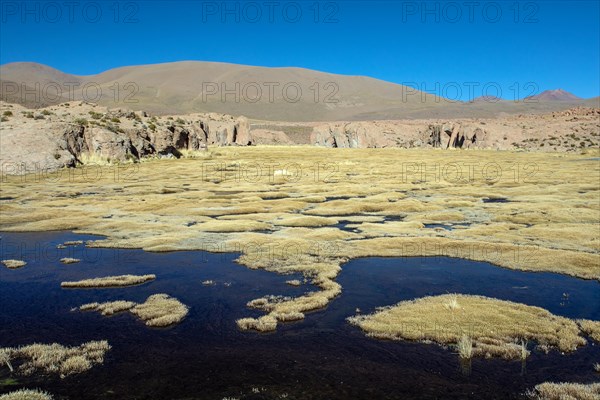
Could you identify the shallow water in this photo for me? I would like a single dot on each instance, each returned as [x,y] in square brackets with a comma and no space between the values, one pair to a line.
[206,357]
[496,200]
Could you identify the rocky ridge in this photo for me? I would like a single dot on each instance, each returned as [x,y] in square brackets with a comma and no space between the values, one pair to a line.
[69,134]
[76,133]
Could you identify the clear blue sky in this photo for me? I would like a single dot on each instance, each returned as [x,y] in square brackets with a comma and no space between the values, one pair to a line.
[554,44]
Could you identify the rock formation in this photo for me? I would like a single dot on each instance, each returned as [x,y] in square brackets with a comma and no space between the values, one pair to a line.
[455,136]
[69,134]
[61,136]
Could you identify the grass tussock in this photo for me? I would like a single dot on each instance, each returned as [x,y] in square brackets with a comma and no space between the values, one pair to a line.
[5,354]
[94,159]
[13,264]
[294,282]
[109,308]
[26,394]
[57,359]
[159,310]
[69,260]
[565,391]
[266,323]
[465,347]
[492,327]
[305,222]
[196,154]
[110,281]
[226,226]
[591,328]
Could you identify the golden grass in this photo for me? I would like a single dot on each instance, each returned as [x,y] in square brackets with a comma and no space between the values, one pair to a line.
[305,221]
[94,159]
[159,310]
[493,326]
[13,264]
[26,394]
[69,260]
[294,282]
[57,359]
[565,391]
[232,226]
[109,308]
[465,347]
[110,281]
[196,154]
[591,328]
[265,323]
[5,354]
[284,224]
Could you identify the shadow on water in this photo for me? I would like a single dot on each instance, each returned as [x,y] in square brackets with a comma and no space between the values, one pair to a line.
[496,200]
[206,357]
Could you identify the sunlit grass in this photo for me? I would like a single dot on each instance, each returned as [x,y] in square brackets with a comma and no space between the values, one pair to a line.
[14,264]
[159,310]
[26,394]
[110,281]
[478,326]
[57,359]
[233,201]
[565,391]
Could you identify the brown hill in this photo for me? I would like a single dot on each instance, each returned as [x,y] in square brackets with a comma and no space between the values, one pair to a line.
[278,94]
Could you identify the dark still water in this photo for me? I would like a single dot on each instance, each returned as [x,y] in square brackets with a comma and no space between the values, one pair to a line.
[322,357]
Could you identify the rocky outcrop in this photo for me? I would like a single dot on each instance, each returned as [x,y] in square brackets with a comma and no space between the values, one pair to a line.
[454,136]
[168,141]
[71,133]
[225,130]
[113,146]
[377,134]
[353,135]
[64,135]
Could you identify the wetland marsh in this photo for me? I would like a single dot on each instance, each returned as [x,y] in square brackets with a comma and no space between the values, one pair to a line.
[353,229]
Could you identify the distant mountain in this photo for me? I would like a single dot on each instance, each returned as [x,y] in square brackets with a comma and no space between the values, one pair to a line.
[555,95]
[278,94]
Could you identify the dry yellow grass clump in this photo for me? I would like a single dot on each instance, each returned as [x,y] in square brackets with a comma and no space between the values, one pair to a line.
[492,327]
[13,264]
[26,394]
[158,310]
[294,282]
[110,307]
[565,391]
[110,281]
[72,242]
[266,323]
[5,354]
[591,328]
[305,221]
[161,310]
[57,359]
[69,260]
